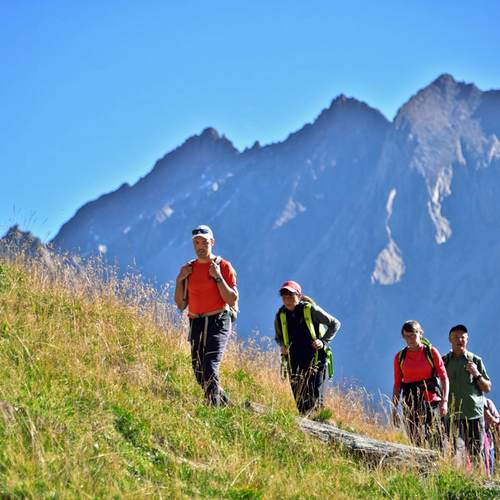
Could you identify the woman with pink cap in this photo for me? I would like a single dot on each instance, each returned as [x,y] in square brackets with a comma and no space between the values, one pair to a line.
[300,326]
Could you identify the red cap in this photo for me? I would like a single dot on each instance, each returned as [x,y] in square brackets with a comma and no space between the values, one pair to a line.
[291,286]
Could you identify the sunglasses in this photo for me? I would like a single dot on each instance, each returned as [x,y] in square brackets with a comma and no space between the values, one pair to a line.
[286,293]
[194,232]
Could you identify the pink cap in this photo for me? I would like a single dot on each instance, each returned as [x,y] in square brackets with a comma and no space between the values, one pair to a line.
[291,286]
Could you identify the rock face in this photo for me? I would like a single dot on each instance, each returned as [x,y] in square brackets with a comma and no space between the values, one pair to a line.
[16,243]
[379,221]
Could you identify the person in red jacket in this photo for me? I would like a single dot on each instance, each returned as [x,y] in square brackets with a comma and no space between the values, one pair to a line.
[418,368]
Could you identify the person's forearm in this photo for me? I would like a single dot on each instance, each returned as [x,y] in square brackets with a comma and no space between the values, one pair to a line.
[179,294]
[445,388]
[395,394]
[483,384]
[395,404]
[333,328]
[333,324]
[228,294]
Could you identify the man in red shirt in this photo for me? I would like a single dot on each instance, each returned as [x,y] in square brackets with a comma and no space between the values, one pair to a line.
[207,287]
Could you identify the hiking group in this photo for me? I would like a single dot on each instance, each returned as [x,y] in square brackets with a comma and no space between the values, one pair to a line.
[207,287]
[443,397]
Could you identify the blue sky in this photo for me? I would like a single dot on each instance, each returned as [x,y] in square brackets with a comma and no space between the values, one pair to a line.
[93,93]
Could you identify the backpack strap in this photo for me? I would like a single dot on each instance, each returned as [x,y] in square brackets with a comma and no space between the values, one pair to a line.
[312,331]
[185,297]
[233,310]
[284,328]
[321,332]
[217,260]
[401,357]
[427,351]
[446,358]
[431,384]
[309,321]
[469,356]
[285,359]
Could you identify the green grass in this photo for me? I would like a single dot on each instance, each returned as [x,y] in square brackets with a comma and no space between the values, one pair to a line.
[101,403]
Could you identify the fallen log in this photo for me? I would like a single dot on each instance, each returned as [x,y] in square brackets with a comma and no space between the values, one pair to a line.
[371,451]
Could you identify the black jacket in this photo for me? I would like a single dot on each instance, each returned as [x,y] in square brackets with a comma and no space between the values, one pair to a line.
[299,337]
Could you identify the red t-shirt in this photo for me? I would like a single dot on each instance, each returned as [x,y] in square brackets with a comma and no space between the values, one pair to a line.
[203,292]
[416,367]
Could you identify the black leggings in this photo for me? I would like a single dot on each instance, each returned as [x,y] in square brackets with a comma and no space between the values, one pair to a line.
[308,387]
[422,422]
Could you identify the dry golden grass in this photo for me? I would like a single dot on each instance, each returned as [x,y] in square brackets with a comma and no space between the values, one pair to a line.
[100,401]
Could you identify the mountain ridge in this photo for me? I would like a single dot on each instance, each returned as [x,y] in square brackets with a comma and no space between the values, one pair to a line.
[380,221]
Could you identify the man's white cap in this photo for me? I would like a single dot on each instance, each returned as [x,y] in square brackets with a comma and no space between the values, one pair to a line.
[203,231]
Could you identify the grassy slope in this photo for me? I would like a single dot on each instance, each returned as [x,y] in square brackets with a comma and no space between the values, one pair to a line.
[107,406]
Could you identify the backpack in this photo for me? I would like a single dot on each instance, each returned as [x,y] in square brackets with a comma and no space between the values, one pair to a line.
[468,355]
[321,327]
[312,331]
[233,310]
[427,351]
[433,383]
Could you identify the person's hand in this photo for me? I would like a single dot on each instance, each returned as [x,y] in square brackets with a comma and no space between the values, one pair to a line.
[443,408]
[185,271]
[471,367]
[489,418]
[317,345]
[214,270]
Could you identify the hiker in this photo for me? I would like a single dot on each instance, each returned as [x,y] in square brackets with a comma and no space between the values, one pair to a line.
[468,383]
[207,286]
[299,327]
[420,375]
[491,433]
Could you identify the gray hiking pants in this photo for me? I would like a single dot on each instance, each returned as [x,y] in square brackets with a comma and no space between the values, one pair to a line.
[209,336]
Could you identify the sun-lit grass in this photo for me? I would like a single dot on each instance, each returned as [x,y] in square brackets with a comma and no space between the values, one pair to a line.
[98,400]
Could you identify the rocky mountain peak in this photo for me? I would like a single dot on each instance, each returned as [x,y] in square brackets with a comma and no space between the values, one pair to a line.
[209,138]
[342,103]
[14,233]
[18,242]
[401,219]
[444,81]
[345,112]
[210,133]
[439,130]
[443,97]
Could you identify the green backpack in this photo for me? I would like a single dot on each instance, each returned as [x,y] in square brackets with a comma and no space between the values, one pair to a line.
[433,383]
[310,326]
